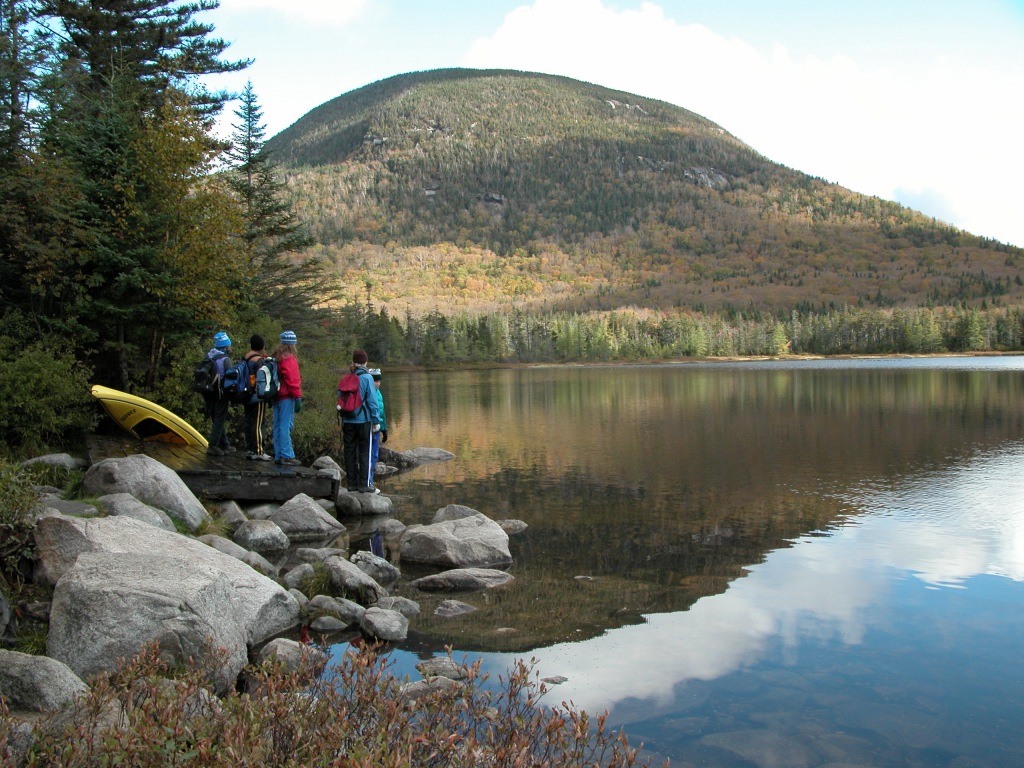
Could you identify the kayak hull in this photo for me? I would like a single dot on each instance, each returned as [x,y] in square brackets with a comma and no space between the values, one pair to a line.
[145,419]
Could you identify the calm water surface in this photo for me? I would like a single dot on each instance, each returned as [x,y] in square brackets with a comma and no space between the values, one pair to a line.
[785,564]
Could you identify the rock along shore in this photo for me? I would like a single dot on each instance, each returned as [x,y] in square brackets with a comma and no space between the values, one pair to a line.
[239,585]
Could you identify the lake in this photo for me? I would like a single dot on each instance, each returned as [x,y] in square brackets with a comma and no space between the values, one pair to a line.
[806,563]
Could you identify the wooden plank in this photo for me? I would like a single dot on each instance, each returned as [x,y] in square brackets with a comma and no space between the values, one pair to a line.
[221,477]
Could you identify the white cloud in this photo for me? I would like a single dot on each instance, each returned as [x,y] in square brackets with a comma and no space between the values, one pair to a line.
[934,132]
[332,12]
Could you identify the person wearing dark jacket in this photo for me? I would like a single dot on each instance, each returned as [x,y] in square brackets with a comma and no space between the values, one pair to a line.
[255,409]
[216,403]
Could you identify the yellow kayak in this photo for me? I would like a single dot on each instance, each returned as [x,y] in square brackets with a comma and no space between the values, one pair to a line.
[146,419]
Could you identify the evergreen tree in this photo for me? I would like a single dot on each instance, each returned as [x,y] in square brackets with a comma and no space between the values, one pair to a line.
[131,129]
[280,281]
[26,203]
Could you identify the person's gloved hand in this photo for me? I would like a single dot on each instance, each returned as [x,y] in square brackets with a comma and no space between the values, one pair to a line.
[383,436]
[298,404]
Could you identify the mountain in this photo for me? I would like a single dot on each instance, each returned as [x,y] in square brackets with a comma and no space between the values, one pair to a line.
[481,189]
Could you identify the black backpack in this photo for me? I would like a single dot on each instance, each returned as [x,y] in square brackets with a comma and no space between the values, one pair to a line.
[205,379]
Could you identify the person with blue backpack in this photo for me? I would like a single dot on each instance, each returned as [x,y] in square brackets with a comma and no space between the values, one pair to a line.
[360,417]
[255,408]
[216,403]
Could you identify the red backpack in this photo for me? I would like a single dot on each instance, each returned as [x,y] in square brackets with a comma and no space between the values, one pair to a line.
[350,399]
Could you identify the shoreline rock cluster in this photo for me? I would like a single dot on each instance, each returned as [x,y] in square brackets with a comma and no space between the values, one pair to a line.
[123,577]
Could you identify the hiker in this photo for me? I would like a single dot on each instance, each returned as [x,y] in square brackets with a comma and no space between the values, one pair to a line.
[255,408]
[357,426]
[216,404]
[379,437]
[288,401]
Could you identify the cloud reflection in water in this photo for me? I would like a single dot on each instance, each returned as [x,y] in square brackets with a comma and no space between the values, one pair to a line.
[941,527]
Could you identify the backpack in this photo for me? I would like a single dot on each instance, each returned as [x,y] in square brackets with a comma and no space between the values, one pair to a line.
[267,381]
[235,383]
[205,379]
[350,399]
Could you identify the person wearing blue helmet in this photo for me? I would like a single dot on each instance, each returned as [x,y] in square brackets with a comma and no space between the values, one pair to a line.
[216,403]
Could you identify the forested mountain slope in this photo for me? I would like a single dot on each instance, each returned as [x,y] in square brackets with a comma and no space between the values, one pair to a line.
[473,189]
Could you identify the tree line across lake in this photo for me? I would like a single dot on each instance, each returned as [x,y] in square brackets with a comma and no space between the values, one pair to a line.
[439,339]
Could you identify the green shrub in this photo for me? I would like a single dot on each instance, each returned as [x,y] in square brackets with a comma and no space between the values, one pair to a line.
[318,582]
[44,395]
[17,500]
[355,716]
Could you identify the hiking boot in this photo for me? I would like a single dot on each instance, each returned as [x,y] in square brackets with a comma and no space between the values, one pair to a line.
[214,451]
[289,462]
[229,449]
[369,489]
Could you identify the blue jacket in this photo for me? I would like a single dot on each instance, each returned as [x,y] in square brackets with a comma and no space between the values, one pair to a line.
[370,412]
[220,359]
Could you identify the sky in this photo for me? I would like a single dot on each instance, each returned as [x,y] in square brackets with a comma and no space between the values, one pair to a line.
[917,101]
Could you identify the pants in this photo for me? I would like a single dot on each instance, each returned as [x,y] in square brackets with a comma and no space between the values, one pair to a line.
[374,454]
[255,419]
[217,407]
[284,418]
[356,440]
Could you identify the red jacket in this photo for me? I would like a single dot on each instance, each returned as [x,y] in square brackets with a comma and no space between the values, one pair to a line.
[291,381]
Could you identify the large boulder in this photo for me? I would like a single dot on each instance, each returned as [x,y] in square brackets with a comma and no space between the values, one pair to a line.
[346,577]
[37,683]
[148,481]
[229,514]
[462,580]
[303,519]
[64,461]
[227,546]
[293,655]
[377,568]
[472,541]
[408,608]
[383,624]
[263,536]
[453,512]
[109,606]
[339,607]
[266,608]
[295,577]
[415,457]
[126,504]
[354,504]
[69,507]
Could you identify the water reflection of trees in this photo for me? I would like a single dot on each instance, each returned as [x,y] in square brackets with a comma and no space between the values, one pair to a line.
[662,484]
[606,559]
